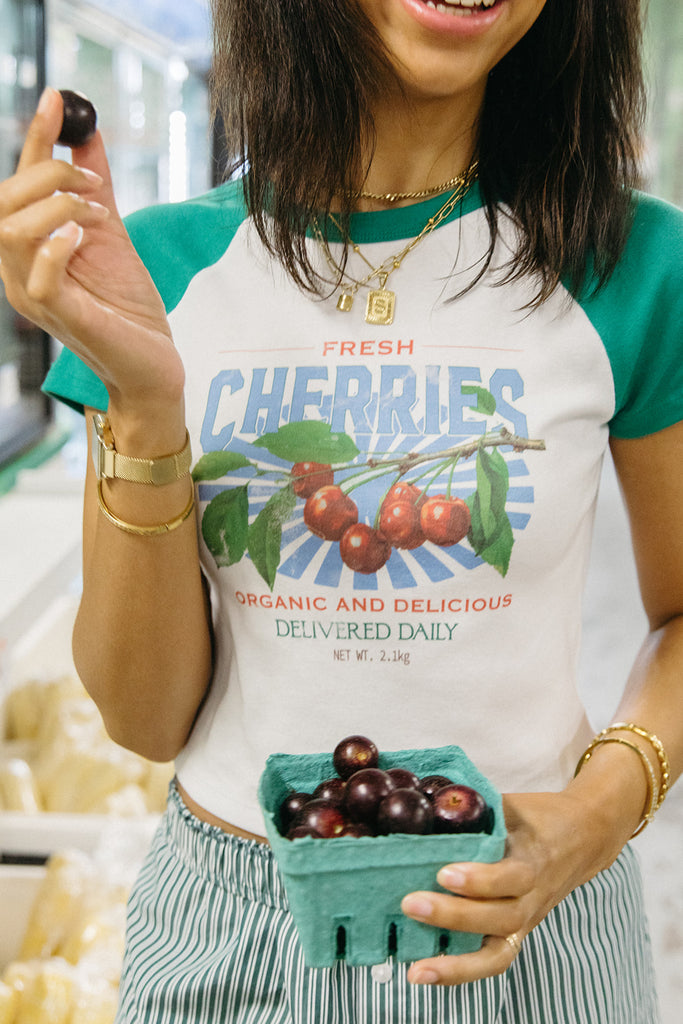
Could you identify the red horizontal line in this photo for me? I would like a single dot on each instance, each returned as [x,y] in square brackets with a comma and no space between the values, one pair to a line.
[487,348]
[228,351]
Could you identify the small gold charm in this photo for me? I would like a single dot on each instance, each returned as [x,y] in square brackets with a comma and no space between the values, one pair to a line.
[380,307]
[345,302]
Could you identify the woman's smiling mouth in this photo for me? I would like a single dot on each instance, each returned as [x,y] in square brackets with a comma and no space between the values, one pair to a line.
[462,7]
[462,17]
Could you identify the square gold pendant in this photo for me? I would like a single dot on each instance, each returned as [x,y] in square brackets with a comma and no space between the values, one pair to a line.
[345,302]
[380,307]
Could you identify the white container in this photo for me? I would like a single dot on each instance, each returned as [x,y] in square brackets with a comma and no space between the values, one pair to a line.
[18,889]
[40,835]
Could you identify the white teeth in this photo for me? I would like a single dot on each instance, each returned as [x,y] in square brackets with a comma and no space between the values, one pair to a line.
[458,7]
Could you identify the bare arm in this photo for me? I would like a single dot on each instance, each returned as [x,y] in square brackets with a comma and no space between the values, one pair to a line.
[560,840]
[142,643]
[142,640]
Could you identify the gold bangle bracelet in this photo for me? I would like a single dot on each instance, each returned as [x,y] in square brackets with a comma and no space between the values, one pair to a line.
[652,789]
[144,531]
[658,748]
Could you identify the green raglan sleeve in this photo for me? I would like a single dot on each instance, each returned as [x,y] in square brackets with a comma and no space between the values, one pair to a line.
[639,317]
[174,241]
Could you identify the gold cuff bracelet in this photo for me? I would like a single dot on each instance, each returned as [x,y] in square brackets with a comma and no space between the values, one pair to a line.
[144,531]
[658,748]
[652,787]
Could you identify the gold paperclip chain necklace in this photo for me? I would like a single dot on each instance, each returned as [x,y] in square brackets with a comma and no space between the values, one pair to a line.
[381,301]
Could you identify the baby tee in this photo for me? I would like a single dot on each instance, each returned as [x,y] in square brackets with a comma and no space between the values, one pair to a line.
[469,431]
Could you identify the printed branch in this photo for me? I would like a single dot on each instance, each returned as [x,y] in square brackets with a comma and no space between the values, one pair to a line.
[463,451]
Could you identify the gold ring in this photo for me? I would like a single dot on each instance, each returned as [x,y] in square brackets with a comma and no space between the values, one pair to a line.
[514,942]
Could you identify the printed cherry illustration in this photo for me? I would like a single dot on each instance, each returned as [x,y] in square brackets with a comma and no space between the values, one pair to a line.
[309,477]
[445,521]
[363,548]
[405,492]
[399,522]
[329,512]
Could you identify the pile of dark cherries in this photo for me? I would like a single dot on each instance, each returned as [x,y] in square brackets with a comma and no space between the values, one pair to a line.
[364,800]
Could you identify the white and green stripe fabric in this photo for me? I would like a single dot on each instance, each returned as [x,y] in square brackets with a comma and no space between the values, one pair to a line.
[211,941]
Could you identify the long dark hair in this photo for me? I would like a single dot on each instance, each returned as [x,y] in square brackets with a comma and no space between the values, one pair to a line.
[559,136]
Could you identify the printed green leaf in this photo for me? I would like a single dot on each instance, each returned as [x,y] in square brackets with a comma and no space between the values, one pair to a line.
[476,535]
[225,524]
[486,403]
[265,533]
[214,465]
[492,485]
[309,441]
[490,531]
[499,548]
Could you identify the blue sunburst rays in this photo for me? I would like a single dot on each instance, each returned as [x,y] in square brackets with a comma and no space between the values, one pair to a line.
[306,556]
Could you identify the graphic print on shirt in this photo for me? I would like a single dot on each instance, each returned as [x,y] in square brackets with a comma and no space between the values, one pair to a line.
[306,499]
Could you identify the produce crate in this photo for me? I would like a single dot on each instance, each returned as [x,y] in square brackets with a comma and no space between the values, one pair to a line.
[345,893]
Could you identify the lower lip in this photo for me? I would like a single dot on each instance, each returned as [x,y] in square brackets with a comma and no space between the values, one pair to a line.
[458,24]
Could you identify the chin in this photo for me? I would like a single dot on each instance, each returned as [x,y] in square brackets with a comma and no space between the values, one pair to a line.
[437,54]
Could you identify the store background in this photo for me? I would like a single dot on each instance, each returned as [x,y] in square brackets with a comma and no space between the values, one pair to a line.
[145,63]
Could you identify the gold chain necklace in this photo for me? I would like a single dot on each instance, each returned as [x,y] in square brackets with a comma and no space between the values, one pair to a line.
[425,193]
[381,302]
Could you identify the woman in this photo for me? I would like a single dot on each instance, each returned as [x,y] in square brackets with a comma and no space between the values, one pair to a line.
[445,285]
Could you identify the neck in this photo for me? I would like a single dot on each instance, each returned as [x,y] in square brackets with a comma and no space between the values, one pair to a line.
[419,144]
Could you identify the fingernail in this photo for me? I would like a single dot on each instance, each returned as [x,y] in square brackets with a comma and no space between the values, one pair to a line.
[91,176]
[451,878]
[424,977]
[418,907]
[71,231]
[45,100]
[98,208]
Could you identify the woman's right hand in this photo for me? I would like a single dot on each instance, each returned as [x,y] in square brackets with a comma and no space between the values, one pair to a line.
[68,265]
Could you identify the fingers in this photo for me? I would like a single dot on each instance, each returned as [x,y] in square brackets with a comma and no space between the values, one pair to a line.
[493,898]
[43,131]
[42,136]
[42,197]
[508,877]
[92,157]
[41,218]
[21,233]
[496,955]
[51,260]
[42,180]
[496,900]
[498,917]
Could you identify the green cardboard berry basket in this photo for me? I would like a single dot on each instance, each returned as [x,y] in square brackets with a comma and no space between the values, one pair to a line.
[345,893]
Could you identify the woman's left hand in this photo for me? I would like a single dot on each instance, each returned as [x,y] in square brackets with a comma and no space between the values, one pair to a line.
[557,841]
[554,844]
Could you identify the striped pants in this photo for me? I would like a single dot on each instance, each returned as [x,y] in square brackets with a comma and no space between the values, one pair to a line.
[210,941]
